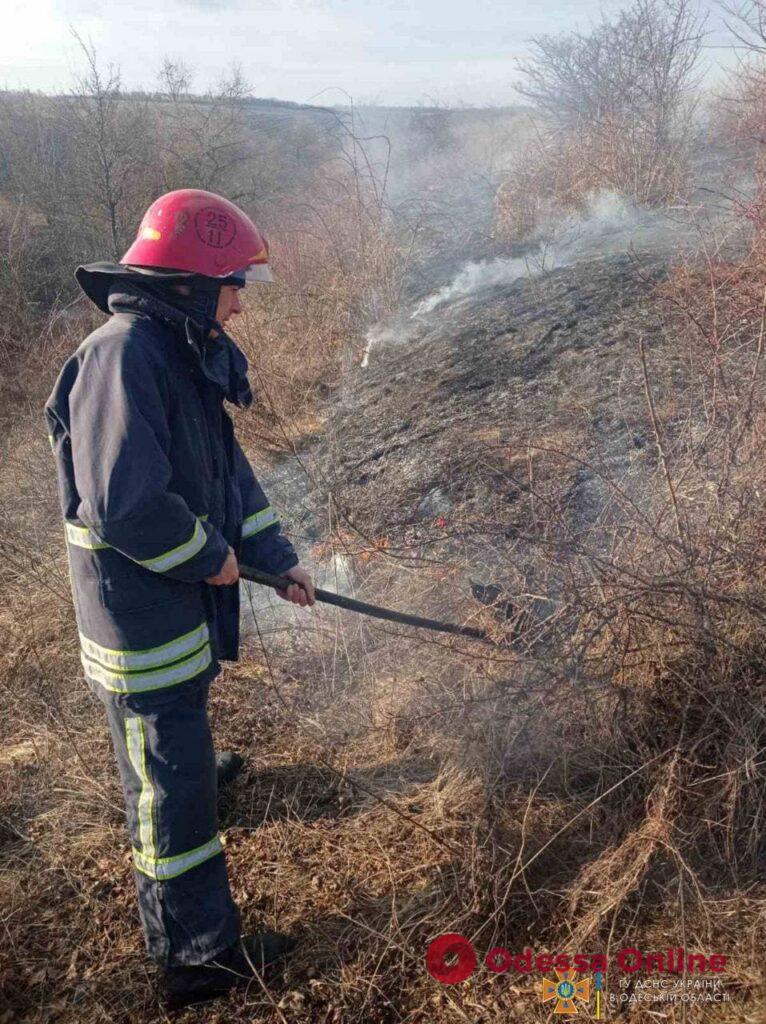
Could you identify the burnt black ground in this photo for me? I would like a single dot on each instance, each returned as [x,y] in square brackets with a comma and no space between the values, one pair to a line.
[448,423]
[487,434]
[506,365]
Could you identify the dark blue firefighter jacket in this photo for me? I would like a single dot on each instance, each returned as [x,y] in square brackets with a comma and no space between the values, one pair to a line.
[154,487]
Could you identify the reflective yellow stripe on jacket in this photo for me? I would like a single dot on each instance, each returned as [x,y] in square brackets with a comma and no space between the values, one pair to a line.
[131,671]
[259,521]
[83,537]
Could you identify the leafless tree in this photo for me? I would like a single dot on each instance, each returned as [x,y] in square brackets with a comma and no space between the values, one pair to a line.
[625,90]
[176,78]
[110,145]
[205,143]
[639,66]
[746,20]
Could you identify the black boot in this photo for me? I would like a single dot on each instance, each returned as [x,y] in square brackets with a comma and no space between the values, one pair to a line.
[228,765]
[185,985]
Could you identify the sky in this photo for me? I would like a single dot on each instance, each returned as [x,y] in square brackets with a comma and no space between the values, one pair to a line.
[456,52]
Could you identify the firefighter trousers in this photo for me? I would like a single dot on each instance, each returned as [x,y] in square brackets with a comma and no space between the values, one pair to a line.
[166,760]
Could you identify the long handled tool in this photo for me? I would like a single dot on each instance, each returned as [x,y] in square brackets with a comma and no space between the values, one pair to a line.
[352,605]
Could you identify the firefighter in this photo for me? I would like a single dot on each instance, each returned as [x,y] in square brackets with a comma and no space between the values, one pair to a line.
[159,504]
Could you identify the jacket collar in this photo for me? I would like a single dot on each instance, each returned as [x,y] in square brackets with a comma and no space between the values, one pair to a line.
[220,360]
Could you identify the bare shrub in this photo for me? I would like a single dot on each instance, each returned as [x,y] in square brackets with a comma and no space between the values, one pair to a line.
[204,139]
[742,120]
[666,658]
[616,107]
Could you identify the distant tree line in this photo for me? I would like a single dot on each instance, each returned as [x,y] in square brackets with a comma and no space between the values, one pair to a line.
[77,170]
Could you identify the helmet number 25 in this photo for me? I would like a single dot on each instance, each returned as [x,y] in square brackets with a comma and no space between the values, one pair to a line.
[215,228]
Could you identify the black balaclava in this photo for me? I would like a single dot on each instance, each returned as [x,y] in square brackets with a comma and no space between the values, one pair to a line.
[96,280]
[114,287]
[202,302]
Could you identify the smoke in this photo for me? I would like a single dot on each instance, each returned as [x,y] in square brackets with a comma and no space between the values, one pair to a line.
[381,334]
[484,274]
[611,224]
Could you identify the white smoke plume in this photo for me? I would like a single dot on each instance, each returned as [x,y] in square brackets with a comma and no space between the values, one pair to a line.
[611,224]
[381,334]
[484,274]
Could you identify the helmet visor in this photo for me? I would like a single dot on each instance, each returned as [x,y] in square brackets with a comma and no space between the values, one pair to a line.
[258,272]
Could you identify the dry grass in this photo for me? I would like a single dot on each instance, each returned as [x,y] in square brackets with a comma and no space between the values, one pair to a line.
[557,174]
[610,791]
[339,267]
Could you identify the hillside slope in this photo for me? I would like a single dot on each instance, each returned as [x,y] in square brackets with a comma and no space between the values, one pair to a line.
[501,460]
[505,419]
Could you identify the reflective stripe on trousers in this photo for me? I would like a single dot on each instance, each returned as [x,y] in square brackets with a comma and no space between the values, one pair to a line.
[166,761]
[135,741]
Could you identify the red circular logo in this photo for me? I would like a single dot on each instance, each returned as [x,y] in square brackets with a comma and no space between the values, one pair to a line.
[449,946]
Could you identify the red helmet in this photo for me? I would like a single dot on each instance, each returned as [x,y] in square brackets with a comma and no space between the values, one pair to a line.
[201,233]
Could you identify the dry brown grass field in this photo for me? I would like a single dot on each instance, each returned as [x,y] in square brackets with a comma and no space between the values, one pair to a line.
[605,791]
[591,441]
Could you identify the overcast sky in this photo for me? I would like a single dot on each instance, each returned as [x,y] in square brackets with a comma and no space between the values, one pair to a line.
[384,51]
